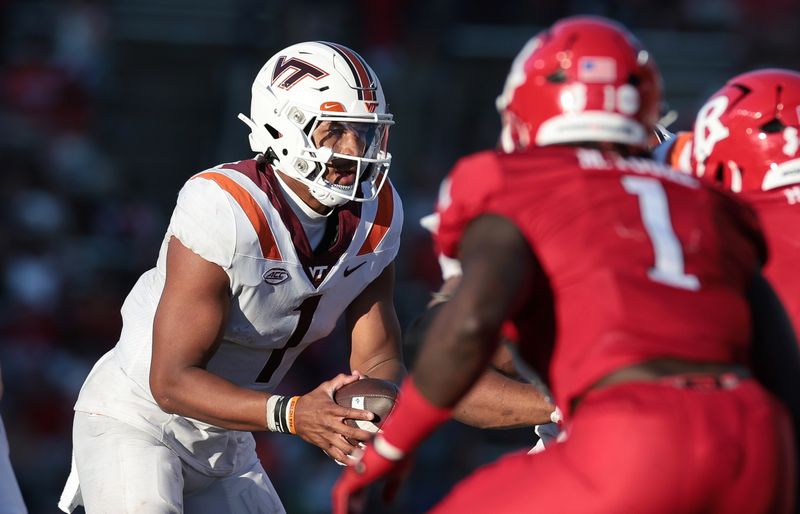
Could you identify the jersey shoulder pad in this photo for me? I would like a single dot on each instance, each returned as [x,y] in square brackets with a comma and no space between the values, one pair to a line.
[464,194]
[204,222]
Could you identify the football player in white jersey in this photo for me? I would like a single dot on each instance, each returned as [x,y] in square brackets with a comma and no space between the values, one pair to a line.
[10,496]
[260,259]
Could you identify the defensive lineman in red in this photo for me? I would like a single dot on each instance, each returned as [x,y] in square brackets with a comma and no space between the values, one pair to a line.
[747,139]
[632,286]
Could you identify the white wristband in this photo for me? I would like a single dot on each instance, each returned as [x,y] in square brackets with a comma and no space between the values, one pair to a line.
[272,401]
[280,413]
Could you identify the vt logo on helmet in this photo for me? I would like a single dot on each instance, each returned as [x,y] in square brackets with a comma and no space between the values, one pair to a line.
[317,107]
[586,79]
[300,69]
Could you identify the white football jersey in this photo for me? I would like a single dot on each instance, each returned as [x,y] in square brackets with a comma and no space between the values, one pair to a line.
[284,296]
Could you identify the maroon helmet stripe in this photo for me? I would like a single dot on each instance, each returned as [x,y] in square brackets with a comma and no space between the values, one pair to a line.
[363,72]
[360,71]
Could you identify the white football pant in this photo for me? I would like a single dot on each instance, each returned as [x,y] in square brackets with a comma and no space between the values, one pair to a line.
[122,469]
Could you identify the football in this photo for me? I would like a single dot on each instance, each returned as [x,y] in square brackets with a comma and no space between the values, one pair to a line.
[372,394]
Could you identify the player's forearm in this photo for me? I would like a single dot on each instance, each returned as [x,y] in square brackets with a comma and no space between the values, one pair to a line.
[454,353]
[196,393]
[498,402]
[498,265]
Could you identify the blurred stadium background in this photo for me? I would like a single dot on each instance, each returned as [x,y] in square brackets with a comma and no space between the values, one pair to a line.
[108,106]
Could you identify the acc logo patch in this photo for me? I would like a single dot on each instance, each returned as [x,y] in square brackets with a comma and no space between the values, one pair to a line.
[276,276]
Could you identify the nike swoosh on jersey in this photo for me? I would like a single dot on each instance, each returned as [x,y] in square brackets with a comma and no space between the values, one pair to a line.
[348,271]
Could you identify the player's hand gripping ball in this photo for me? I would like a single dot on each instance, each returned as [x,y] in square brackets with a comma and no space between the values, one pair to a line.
[373,394]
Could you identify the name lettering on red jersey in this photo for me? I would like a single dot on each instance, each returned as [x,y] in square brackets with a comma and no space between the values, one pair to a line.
[597,160]
[792,195]
[592,159]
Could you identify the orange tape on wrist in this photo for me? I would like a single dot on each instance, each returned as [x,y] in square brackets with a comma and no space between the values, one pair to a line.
[292,405]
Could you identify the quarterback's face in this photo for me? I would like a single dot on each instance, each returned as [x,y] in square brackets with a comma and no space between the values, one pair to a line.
[343,138]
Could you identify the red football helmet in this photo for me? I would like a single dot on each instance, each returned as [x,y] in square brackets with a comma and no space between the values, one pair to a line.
[746,134]
[585,79]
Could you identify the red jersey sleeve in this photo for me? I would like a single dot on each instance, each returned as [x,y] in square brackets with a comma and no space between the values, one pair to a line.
[464,194]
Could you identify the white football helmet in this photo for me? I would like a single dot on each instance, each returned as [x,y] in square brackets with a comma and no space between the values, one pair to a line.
[310,83]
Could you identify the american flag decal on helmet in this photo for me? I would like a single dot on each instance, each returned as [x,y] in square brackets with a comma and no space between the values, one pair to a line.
[597,69]
[365,82]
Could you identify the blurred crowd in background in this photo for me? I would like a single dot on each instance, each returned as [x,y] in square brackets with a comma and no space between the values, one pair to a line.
[107,107]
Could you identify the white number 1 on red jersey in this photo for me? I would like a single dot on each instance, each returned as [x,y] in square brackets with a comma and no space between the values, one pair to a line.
[654,209]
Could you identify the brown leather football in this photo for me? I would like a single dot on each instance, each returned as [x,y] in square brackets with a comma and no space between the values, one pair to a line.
[372,394]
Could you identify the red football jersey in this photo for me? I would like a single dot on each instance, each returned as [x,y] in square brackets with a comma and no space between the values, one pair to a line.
[638,261]
[779,214]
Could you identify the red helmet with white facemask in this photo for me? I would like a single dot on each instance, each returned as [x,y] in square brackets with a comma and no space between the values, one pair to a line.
[746,135]
[586,79]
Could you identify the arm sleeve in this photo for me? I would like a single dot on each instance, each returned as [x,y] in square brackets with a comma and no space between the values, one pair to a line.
[203,221]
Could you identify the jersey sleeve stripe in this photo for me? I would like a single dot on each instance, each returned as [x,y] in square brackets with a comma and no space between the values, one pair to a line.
[383,220]
[269,249]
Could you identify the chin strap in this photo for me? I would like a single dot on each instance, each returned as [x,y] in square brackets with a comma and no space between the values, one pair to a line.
[327,198]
